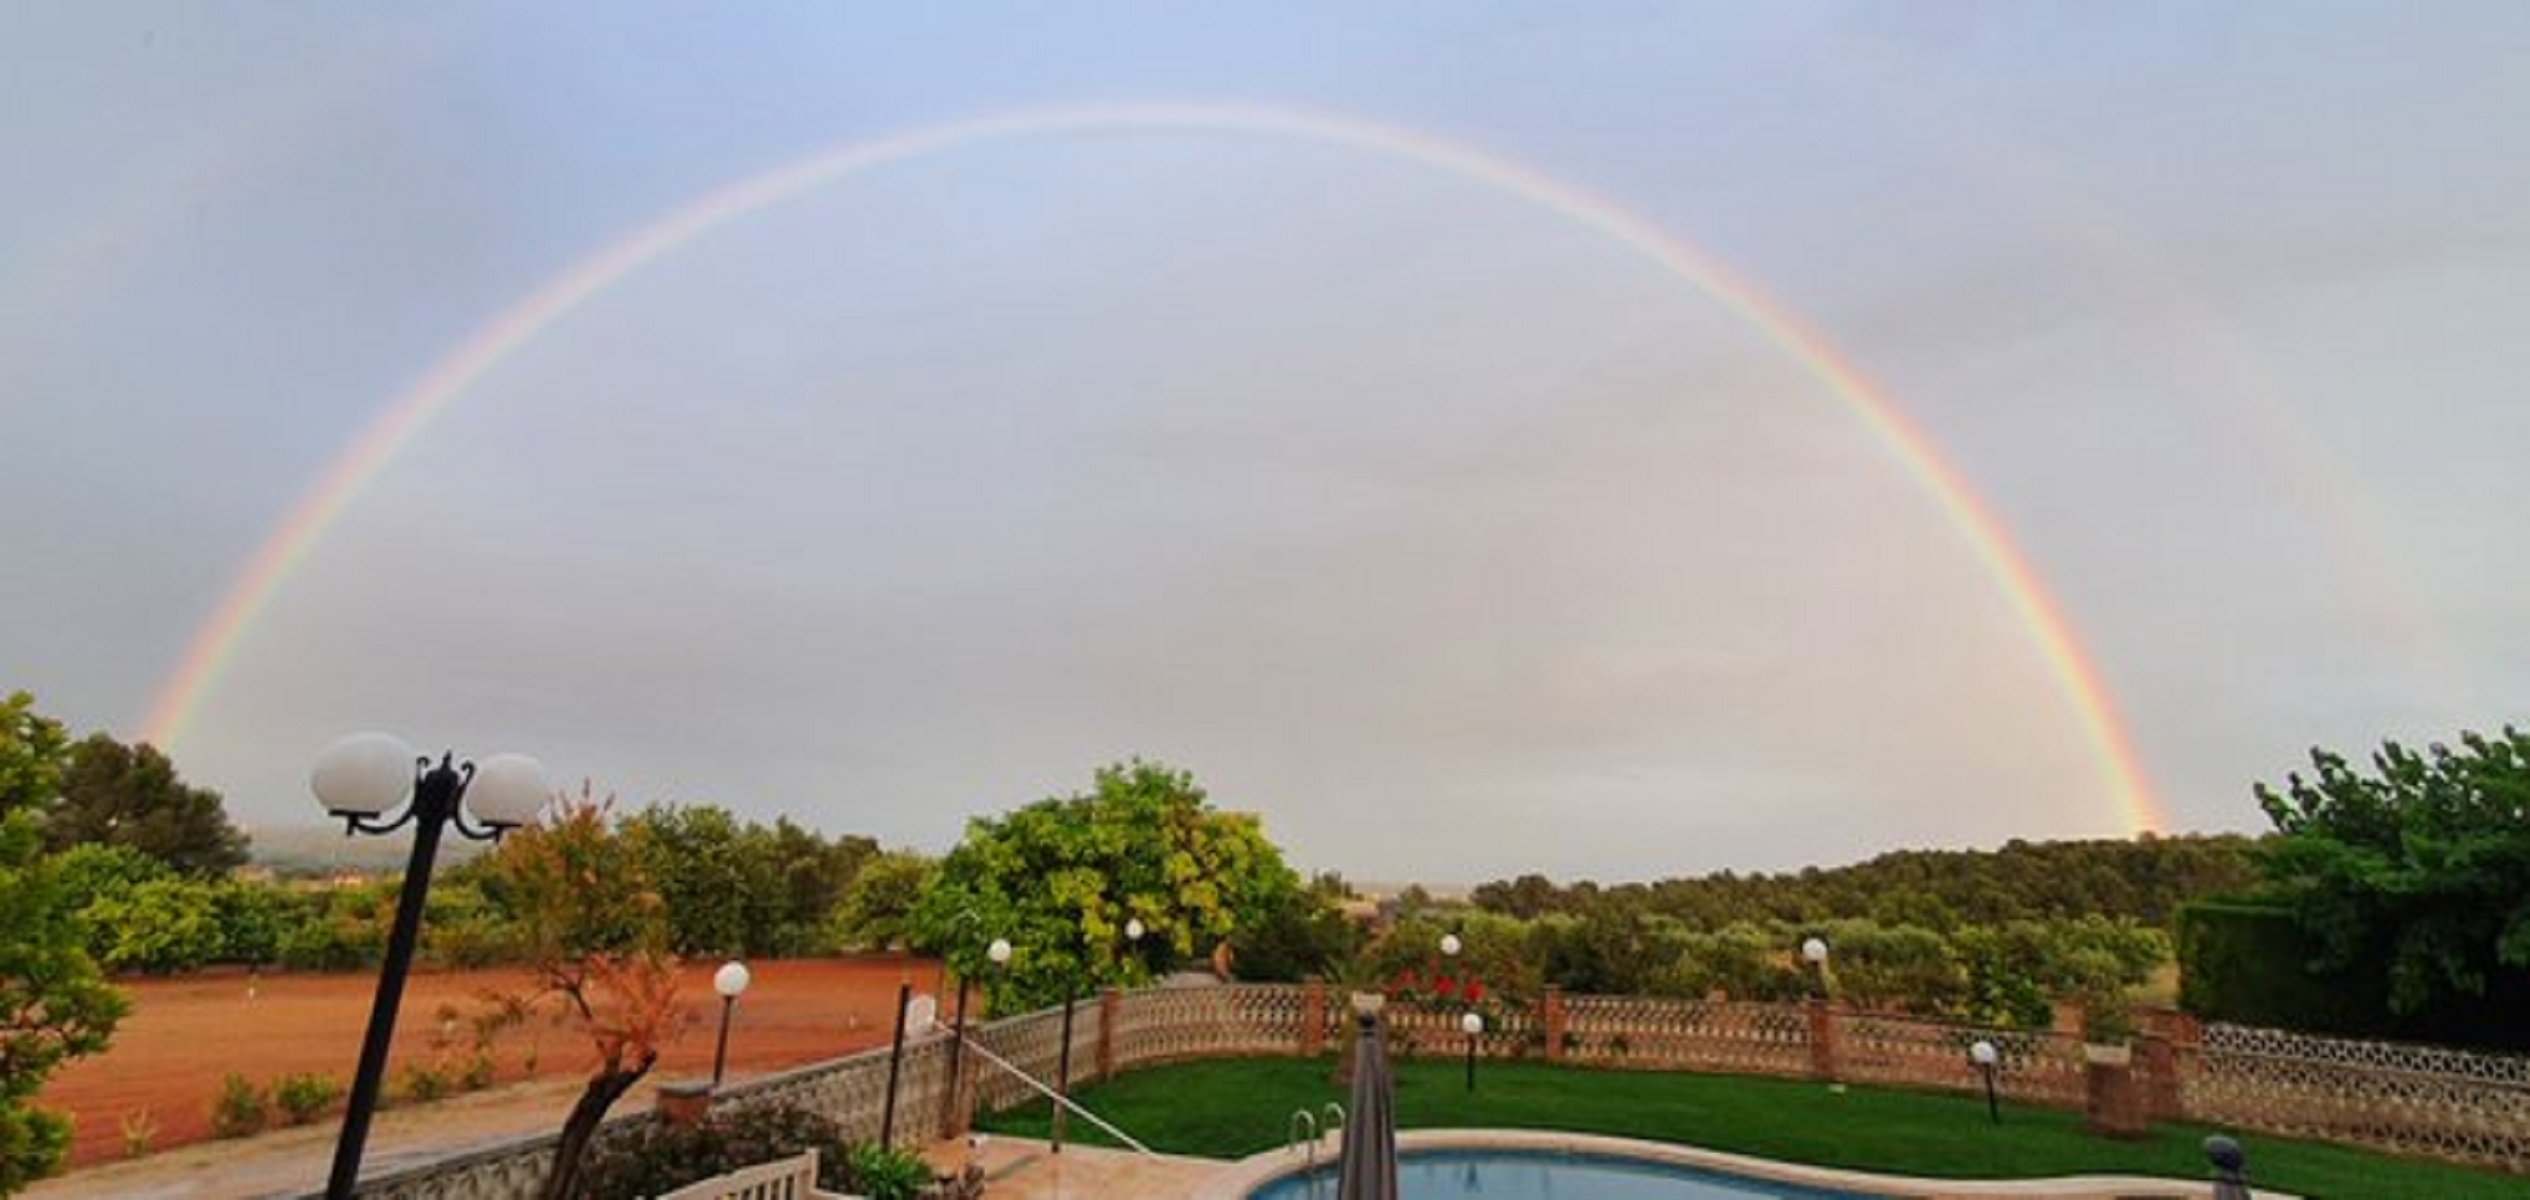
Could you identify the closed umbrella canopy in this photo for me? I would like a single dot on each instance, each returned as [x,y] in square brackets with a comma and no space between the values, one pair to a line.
[1368,1169]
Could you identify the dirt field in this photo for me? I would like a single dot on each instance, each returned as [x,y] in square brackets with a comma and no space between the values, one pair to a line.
[184,1035]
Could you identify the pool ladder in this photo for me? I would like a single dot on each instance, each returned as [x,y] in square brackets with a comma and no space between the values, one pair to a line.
[1294,1141]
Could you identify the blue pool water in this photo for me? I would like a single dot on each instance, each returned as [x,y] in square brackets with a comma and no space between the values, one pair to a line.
[1537,1175]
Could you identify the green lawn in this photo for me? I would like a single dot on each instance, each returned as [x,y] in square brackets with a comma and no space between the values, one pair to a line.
[1233,1108]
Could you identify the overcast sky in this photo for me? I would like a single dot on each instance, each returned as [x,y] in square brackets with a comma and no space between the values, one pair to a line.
[1449,533]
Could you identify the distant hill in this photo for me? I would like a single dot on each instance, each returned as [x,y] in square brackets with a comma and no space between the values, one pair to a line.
[315,850]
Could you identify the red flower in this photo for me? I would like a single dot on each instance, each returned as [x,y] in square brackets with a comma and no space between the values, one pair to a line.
[1405,980]
[1475,991]
[1445,985]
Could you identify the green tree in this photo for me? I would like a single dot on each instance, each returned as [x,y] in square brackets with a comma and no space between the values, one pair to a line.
[717,896]
[32,754]
[1896,967]
[162,926]
[252,918]
[877,909]
[1527,897]
[118,795]
[2423,864]
[54,1002]
[1299,935]
[812,875]
[597,930]
[1062,877]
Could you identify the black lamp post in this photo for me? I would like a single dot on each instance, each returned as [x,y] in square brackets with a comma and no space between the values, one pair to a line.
[1985,1056]
[1473,1024]
[731,982]
[360,779]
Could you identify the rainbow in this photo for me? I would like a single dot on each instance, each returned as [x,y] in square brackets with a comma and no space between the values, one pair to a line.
[215,643]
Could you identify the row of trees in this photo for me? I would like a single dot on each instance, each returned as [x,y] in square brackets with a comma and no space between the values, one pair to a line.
[2007,975]
[2144,880]
[1068,881]
[728,888]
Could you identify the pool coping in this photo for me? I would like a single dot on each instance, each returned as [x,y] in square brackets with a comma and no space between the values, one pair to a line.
[1248,1174]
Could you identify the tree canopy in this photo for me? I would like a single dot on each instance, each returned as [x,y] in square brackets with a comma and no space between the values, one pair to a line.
[32,754]
[54,1002]
[2424,863]
[1061,879]
[118,795]
[2145,879]
[597,931]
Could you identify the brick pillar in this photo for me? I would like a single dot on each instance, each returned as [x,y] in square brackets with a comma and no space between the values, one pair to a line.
[1823,1037]
[2157,1073]
[1110,1003]
[1312,1018]
[684,1103]
[1551,1013]
[2115,1107]
[2186,1037]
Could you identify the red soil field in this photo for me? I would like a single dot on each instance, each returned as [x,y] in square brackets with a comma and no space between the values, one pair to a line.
[184,1035]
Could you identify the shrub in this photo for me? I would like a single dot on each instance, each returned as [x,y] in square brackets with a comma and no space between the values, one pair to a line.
[332,933]
[304,1098]
[140,1133]
[655,1157]
[883,1173]
[462,928]
[2249,962]
[480,1072]
[241,1110]
[1297,935]
[426,1083]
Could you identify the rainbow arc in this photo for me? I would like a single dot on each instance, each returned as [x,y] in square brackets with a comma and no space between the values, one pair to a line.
[413,408]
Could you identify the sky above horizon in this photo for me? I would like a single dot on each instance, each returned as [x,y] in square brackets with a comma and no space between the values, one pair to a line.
[1175,388]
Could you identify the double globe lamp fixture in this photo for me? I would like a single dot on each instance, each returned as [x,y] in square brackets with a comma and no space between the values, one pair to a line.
[363,780]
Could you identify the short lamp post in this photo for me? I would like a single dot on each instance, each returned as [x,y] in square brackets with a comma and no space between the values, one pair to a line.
[361,779]
[1814,952]
[1982,1053]
[731,982]
[1473,1025]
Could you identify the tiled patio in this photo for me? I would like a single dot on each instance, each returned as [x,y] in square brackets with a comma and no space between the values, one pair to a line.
[1027,1170]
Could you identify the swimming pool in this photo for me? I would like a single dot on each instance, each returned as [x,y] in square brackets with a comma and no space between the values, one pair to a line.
[1499,1174]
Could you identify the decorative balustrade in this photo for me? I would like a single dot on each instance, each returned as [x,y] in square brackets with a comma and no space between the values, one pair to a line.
[513,1170]
[2034,1067]
[1662,1033]
[2447,1104]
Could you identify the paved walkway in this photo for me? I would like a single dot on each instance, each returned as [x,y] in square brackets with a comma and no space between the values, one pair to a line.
[291,1162]
[1027,1170]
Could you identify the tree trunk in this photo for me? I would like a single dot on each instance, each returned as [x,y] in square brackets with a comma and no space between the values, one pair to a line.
[603,1090]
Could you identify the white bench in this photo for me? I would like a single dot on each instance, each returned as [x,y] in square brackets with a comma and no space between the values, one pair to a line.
[781,1179]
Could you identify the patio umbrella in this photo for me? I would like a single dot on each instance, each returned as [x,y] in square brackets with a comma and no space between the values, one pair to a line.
[1368,1168]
